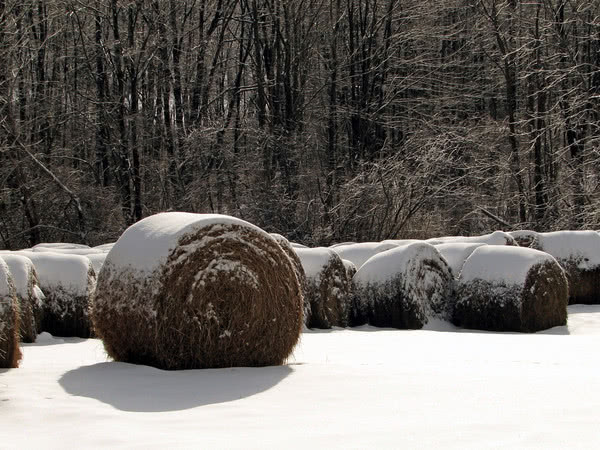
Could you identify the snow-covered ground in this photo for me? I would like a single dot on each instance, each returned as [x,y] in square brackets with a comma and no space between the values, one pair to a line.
[363,388]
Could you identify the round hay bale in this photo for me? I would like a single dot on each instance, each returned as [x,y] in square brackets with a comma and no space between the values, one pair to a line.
[578,252]
[511,289]
[190,291]
[495,238]
[403,288]
[526,238]
[68,283]
[359,253]
[28,293]
[328,287]
[456,253]
[298,269]
[10,353]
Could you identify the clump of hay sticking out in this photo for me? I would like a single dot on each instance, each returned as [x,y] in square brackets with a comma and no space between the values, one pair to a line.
[29,295]
[403,288]
[578,252]
[10,353]
[68,283]
[511,289]
[190,291]
[328,287]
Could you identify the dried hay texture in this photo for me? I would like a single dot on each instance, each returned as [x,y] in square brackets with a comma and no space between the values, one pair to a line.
[540,303]
[10,353]
[328,293]
[226,296]
[418,286]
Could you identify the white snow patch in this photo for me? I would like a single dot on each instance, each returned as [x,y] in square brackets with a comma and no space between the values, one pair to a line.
[45,246]
[360,253]
[97,260]
[314,260]
[495,238]
[20,268]
[579,247]
[456,253]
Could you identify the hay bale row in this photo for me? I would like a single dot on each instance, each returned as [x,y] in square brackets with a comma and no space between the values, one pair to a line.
[511,289]
[68,283]
[10,353]
[403,288]
[28,293]
[187,291]
[327,287]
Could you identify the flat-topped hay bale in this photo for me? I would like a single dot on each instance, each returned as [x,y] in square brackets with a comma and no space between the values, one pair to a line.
[328,287]
[191,291]
[578,252]
[403,288]
[495,238]
[359,253]
[68,283]
[28,293]
[456,253]
[10,353]
[511,289]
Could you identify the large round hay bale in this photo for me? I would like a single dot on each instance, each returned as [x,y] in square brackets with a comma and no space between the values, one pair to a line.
[511,289]
[68,283]
[456,253]
[28,294]
[188,291]
[403,288]
[359,253]
[328,287]
[578,252]
[10,353]
[495,238]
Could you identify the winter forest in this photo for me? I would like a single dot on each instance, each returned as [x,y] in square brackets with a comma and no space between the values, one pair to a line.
[325,121]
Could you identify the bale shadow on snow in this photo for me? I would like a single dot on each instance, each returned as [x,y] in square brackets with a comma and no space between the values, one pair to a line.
[133,388]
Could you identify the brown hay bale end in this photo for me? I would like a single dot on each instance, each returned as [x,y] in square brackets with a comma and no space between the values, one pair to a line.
[29,295]
[403,288]
[328,287]
[511,289]
[10,353]
[578,252]
[68,283]
[190,291]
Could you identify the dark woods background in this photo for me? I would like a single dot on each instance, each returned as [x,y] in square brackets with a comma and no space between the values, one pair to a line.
[322,120]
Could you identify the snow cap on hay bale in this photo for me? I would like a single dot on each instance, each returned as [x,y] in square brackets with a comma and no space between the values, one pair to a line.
[69,251]
[105,247]
[403,287]
[526,238]
[360,253]
[298,269]
[511,289]
[495,238]
[68,282]
[190,291]
[456,253]
[328,288]
[53,246]
[578,252]
[10,353]
[28,294]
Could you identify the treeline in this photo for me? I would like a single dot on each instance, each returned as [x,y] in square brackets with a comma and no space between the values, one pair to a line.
[321,120]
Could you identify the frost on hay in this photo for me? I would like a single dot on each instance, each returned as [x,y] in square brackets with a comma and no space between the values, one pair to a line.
[225,295]
[29,296]
[578,252]
[10,353]
[403,288]
[328,287]
[533,298]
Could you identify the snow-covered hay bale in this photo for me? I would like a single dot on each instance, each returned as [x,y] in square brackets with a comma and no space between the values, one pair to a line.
[53,246]
[456,254]
[28,294]
[511,289]
[403,288]
[495,238]
[328,287]
[10,353]
[578,252]
[187,291]
[68,283]
[361,252]
[97,260]
[526,238]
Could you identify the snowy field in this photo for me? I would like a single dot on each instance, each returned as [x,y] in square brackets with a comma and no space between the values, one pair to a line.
[363,388]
